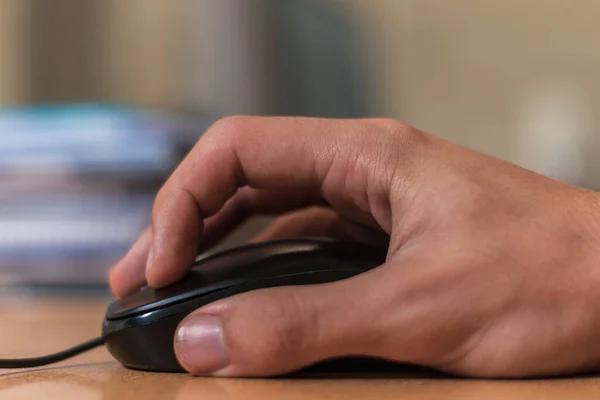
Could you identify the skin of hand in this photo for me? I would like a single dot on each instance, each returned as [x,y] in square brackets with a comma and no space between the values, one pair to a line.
[492,270]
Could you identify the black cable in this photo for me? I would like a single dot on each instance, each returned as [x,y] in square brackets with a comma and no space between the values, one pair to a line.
[52,358]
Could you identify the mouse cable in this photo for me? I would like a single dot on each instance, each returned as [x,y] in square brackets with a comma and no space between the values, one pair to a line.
[52,358]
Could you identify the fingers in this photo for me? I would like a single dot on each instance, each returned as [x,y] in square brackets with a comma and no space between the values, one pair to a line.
[129,273]
[266,153]
[319,222]
[248,202]
[274,331]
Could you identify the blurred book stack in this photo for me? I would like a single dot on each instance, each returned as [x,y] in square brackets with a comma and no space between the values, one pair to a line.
[76,188]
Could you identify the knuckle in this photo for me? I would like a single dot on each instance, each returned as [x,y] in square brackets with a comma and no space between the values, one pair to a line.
[229,128]
[162,193]
[405,154]
[166,198]
[160,198]
[404,134]
[400,146]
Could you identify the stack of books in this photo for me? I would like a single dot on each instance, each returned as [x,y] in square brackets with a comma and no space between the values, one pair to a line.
[77,184]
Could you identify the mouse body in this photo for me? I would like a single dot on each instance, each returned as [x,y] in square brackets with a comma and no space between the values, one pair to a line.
[138,329]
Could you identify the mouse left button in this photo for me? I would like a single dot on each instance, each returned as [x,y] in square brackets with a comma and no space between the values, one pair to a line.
[147,298]
[120,308]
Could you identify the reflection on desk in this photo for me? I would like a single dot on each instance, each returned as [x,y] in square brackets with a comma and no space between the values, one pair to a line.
[37,326]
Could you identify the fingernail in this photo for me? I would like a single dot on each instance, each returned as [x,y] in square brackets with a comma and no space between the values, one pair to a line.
[149,260]
[199,345]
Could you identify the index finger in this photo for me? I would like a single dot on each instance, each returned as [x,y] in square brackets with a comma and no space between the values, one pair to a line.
[264,153]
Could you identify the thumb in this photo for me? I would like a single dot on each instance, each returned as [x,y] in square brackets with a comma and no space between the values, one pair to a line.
[279,330]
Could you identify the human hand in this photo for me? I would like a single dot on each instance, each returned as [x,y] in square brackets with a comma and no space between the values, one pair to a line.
[492,270]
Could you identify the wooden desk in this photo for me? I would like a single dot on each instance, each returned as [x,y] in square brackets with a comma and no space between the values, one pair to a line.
[32,327]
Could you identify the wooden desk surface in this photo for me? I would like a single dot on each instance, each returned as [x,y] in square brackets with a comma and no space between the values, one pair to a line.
[32,327]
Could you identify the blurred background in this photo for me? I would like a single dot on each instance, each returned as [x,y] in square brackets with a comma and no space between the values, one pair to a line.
[99,99]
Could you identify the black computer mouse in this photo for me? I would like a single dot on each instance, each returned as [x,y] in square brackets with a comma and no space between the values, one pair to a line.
[139,329]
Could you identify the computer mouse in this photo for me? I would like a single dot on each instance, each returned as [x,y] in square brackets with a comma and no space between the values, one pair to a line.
[138,329]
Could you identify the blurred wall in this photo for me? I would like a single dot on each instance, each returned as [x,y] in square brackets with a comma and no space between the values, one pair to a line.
[516,79]
[519,80]
[163,53]
[225,56]
[141,51]
[12,52]
[187,54]
[65,50]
